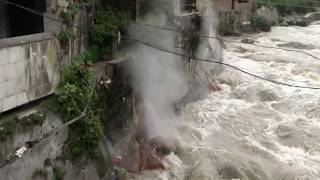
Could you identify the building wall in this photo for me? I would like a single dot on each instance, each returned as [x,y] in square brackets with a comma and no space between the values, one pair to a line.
[28,71]
[244,10]
[226,5]
[30,65]
[241,11]
[222,5]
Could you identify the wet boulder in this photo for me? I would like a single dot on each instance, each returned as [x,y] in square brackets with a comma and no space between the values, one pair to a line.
[230,172]
[297,45]
[164,146]
[311,17]
[270,14]
[248,41]
[294,21]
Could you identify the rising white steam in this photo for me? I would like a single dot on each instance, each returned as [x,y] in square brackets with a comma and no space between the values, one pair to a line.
[157,77]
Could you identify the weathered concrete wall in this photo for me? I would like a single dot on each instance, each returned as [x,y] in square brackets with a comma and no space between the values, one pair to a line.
[28,70]
[222,5]
[229,5]
[39,162]
[30,65]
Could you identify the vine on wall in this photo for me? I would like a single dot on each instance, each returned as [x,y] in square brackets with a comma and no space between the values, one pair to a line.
[74,95]
[76,92]
[68,17]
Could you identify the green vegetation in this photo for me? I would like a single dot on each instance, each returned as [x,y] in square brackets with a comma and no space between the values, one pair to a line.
[76,92]
[107,24]
[70,13]
[58,173]
[226,26]
[68,16]
[35,118]
[287,7]
[65,35]
[260,23]
[9,124]
[74,95]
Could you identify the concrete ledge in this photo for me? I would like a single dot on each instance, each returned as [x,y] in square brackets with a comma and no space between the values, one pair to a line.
[19,40]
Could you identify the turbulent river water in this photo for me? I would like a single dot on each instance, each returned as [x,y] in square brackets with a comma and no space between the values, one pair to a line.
[253,129]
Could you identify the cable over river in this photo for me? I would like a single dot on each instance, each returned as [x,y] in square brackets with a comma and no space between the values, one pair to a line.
[252,129]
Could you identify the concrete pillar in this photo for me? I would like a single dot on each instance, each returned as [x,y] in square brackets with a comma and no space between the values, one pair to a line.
[3,21]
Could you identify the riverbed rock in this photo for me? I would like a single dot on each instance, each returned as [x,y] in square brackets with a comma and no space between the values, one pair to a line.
[248,41]
[311,17]
[297,45]
[164,146]
[270,14]
[230,172]
[294,21]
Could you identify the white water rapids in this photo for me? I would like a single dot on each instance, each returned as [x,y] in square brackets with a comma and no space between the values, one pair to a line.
[253,129]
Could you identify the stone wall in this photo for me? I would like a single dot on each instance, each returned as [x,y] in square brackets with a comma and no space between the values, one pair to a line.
[48,159]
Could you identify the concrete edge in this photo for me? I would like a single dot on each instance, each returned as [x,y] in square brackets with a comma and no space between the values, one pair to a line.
[20,40]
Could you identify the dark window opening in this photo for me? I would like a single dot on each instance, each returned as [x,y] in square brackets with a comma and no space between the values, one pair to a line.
[188,5]
[233,3]
[22,22]
[243,1]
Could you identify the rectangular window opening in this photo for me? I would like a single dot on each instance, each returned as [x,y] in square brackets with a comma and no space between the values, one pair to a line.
[243,1]
[17,21]
[188,5]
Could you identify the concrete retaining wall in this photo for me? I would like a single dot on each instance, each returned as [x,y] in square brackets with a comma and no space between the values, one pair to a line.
[29,69]
[30,65]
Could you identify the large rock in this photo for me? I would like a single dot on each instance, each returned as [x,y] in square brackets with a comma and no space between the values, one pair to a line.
[294,21]
[270,14]
[310,17]
[297,45]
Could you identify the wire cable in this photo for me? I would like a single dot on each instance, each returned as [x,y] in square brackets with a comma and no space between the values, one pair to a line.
[30,144]
[219,61]
[164,28]
[232,41]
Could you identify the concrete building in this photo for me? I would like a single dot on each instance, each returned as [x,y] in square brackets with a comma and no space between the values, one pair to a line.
[30,53]
[233,5]
[240,9]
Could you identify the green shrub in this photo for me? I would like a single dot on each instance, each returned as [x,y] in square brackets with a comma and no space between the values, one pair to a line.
[287,7]
[68,16]
[260,23]
[74,94]
[70,13]
[226,26]
[59,173]
[107,23]
[65,35]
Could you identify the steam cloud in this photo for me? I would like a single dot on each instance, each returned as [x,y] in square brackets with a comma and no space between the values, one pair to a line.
[159,78]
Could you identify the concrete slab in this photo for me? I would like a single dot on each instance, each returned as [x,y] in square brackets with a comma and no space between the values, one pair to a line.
[9,72]
[4,56]
[16,54]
